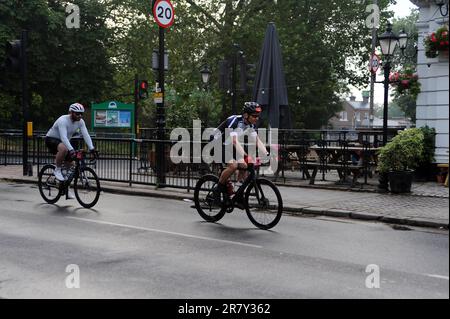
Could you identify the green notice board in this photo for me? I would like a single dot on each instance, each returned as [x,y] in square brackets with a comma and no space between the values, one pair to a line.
[112,114]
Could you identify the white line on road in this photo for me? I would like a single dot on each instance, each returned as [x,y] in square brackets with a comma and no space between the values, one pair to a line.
[437,276]
[163,232]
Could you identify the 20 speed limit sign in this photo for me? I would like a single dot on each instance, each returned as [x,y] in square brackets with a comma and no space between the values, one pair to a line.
[163,13]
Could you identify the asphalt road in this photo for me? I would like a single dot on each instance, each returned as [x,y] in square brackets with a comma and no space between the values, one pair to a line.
[137,247]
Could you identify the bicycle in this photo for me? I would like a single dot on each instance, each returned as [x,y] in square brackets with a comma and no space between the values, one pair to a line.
[261,199]
[86,184]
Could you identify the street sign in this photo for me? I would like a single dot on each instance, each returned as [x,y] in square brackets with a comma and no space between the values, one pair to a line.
[374,63]
[163,13]
[158,97]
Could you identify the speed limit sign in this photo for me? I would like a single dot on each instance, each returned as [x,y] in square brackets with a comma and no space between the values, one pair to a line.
[163,13]
[374,63]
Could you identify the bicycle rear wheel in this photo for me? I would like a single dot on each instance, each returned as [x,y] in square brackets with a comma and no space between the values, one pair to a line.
[264,204]
[49,187]
[208,206]
[87,187]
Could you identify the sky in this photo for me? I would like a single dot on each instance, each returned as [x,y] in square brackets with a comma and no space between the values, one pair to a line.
[401,9]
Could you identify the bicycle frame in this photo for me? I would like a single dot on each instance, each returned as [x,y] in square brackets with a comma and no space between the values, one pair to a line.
[80,164]
[251,178]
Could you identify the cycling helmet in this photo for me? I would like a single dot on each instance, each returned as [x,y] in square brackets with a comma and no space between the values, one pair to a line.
[76,107]
[251,108]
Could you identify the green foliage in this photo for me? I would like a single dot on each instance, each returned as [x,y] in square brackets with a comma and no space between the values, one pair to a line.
[199,105]
[429,139]
[65,65]
[404,152]
[98,61]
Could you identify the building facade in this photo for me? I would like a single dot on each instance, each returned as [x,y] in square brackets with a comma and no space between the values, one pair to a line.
[433,101]
[353,115]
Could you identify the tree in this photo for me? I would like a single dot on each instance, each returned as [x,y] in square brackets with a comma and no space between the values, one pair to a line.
[65,64]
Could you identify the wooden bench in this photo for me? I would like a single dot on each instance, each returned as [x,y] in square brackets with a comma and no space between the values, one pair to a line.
[341,169]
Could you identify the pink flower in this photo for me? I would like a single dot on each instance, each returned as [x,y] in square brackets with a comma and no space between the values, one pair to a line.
[405,84]
[433,37]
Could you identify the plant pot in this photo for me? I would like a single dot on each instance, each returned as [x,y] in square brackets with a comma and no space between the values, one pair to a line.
[440,178]
[443,56]
[400,181]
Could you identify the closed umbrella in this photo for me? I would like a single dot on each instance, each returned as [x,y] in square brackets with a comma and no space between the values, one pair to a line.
[270,89]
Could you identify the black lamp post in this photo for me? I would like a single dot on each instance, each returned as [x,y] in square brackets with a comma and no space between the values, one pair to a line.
[206,75]
[388,43]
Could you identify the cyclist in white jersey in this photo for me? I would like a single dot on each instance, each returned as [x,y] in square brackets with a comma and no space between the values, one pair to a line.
[240,124]
[58,137]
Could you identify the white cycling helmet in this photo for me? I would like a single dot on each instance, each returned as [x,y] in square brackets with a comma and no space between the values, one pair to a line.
[76,107]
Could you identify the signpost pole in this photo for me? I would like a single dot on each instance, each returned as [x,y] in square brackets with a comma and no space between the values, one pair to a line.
[164,15]
[136,101]
[161,121]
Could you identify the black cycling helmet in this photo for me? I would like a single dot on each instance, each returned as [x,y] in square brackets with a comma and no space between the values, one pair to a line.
[251,108]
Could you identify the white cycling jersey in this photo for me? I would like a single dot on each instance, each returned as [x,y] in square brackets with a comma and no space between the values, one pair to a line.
[64,129]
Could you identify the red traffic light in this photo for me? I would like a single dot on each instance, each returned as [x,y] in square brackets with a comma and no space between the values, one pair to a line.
[144,85]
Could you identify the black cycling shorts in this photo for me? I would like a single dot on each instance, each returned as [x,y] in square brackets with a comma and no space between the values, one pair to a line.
[52,144]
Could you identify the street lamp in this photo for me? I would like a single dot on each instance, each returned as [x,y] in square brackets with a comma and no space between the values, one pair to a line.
[403,38]
[441,3]
[388,42]
[206,74]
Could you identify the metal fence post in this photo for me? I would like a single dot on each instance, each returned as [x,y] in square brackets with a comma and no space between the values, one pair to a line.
[131,162]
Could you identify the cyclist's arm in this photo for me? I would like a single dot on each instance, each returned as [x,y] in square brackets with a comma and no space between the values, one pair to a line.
[86,136]
[63,135]
[262,148]
[237,145]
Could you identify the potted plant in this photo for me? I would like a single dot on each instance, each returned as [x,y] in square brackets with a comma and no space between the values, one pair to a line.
[400,157]
[426,170]
[405,82]
[437,42]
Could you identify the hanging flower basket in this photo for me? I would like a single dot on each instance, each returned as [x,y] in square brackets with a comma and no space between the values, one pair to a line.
[437,42]
[405,82]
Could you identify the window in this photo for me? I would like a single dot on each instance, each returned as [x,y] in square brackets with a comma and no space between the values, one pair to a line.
[343,116]
[358,116]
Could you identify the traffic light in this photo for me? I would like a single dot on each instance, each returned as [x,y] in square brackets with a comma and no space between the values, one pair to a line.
[246,76]
[13,55]
[143,89]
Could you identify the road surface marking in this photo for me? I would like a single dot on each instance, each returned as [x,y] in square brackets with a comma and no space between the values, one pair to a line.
[437,276]
[163,232]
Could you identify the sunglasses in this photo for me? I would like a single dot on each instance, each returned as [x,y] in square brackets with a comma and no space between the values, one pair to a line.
[78,114]
[254,115]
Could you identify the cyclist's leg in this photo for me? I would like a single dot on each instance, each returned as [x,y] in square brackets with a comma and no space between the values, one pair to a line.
[57,148]
[231,168]
[242,175]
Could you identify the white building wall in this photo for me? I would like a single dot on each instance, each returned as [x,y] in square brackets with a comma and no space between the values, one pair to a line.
[433,101]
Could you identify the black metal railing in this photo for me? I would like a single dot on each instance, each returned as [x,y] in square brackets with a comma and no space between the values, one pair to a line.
[133,160]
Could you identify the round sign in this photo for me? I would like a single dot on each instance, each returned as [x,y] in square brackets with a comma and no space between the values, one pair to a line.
[374,63]
[163,13]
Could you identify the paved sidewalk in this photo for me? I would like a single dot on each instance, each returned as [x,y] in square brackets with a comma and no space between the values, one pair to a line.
[426,206]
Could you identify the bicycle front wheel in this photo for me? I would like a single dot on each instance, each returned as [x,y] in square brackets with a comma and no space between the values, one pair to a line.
[264,204]
[208,204]
[87,187]
[48,186]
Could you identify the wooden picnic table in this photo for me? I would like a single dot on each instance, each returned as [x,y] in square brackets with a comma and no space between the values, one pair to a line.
[337,158]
